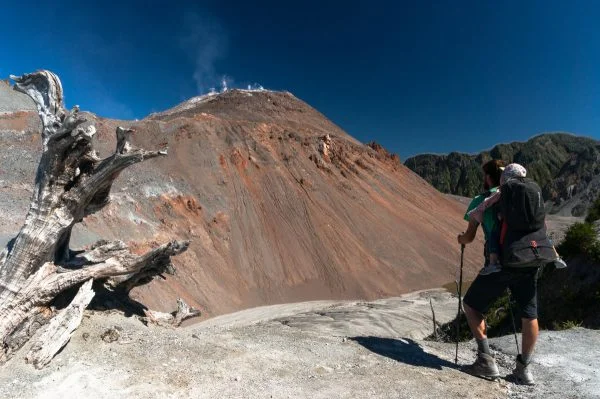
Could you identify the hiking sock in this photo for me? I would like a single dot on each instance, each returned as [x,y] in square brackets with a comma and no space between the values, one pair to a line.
[525,358]
[483,346]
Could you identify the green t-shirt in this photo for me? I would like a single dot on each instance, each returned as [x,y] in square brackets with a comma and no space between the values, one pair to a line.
[489,217]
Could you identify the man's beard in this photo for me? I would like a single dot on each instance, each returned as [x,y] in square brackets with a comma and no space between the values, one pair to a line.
[486,186]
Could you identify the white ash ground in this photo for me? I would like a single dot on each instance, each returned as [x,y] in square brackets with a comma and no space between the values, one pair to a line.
[319,349]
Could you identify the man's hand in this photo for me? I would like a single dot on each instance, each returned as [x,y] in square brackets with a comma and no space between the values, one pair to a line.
[468,236]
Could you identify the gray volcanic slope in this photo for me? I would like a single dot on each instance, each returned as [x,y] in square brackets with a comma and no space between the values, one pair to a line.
[280,204]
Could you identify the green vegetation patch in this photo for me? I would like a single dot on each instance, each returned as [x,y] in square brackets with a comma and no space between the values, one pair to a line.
[580,240]
[594,212]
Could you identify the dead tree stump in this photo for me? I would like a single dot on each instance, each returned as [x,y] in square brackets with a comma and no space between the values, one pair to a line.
[37,266]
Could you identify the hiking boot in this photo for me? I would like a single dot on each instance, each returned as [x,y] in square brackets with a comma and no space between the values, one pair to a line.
[484,366]
[522,373]
[491,268]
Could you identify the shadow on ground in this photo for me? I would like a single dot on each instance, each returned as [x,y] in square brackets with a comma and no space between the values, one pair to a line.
[403,350]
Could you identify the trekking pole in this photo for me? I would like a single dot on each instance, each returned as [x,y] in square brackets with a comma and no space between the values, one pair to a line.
[512,318]
[459,292]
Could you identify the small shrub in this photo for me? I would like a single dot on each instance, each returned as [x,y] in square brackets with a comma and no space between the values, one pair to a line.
[593,212]
[497,319]
[580,239]
[566,325]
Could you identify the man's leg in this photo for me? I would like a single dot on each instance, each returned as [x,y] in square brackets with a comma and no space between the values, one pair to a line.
[478,329]
[476,322]
[484,290]
[524,289]
[480,295]
[530,330]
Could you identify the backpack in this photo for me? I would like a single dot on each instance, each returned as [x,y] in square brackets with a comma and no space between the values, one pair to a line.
[523,238]
[522,205]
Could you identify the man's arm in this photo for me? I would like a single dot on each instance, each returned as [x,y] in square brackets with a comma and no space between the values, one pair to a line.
[469,235]
[477,213]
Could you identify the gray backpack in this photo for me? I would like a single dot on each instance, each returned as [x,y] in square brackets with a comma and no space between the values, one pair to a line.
[524,239]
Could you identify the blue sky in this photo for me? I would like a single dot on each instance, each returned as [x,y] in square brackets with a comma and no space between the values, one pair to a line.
[419,76]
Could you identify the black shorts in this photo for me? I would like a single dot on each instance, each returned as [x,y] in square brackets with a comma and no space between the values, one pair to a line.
[521,282]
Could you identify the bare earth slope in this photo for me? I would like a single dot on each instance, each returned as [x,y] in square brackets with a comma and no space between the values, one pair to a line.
[280,204]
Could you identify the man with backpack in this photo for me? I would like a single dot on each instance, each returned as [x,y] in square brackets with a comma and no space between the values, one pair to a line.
[523,247]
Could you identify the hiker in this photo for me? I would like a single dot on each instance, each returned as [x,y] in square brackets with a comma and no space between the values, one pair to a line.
[497,236]
[492,282]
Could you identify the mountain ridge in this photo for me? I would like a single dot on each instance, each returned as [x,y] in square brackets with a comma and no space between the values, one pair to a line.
[566,166]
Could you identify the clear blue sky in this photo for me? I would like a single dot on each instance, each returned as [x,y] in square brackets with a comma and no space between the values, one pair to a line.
[415,76]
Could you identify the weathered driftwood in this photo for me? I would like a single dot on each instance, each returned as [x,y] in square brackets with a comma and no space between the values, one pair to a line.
[59,330]
[37,267]
[183,312]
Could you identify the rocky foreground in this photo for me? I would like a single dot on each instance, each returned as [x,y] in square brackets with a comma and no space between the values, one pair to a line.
[322,349]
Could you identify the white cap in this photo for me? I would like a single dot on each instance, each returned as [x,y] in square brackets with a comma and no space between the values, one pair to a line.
[511,171]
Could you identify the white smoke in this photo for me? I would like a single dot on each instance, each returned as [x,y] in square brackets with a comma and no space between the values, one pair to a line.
[205,42]
[226,83]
